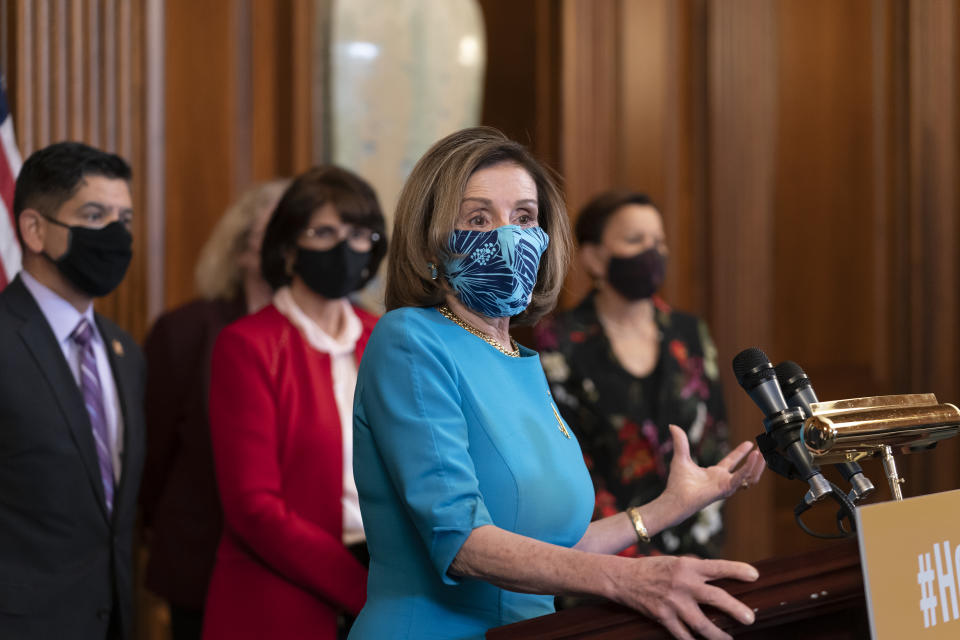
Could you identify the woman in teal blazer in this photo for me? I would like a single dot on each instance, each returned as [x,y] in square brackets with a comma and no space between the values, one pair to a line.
[475,498]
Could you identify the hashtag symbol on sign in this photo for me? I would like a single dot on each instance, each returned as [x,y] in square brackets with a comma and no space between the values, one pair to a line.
[928,601]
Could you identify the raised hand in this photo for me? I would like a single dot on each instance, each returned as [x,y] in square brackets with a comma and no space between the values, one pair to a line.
[691,487]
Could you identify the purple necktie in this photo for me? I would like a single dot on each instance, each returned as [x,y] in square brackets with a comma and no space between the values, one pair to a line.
[93,398]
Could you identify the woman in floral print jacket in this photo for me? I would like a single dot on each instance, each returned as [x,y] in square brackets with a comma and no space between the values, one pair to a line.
[623,366]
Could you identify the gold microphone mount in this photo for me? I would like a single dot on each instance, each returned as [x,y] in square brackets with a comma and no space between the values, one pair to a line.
[857,428]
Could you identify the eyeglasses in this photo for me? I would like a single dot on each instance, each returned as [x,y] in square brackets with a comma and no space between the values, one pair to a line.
[326,237]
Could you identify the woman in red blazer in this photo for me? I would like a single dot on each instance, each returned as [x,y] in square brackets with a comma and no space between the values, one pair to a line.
[281,397]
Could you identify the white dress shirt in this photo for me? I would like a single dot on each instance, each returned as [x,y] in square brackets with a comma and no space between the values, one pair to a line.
[343,368]
[63,318]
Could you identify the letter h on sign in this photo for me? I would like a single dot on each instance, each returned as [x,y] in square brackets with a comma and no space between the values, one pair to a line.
[946,579]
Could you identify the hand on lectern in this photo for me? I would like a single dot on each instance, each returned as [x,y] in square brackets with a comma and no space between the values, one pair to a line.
[670,590]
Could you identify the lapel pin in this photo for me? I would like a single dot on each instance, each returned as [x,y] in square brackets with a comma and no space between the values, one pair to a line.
[117,348]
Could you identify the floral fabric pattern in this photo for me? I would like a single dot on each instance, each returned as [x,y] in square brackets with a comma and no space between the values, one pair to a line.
[622,421]
[494,272]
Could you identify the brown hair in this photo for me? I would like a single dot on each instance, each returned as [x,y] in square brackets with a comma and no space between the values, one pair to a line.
[427,211]
[354,200]
[595,215]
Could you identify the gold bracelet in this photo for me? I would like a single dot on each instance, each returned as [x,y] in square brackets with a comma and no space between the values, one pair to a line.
[642,535]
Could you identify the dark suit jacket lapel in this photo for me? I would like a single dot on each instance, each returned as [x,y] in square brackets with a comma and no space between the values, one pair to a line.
[124,373]
[42,344]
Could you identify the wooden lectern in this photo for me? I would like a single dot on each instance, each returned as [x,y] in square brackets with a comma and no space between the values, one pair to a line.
[813,595]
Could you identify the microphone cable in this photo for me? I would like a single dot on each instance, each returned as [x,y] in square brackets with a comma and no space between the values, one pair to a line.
[845,511]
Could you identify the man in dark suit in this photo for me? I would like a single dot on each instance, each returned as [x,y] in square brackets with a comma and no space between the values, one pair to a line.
[71,405]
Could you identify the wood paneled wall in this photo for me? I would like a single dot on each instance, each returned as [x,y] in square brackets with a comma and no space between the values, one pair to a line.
[805,156]
[742,128]
[929,221]
[522,60]
[240,106]
[90,70]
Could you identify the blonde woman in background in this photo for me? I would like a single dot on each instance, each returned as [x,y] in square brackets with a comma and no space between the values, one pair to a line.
[181,509]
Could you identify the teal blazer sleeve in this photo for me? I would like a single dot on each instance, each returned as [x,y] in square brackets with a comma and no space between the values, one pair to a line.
[407,396]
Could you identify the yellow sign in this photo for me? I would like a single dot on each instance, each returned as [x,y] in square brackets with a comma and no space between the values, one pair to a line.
[910,552]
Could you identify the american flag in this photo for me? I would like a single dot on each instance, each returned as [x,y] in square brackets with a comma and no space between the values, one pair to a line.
[9,168]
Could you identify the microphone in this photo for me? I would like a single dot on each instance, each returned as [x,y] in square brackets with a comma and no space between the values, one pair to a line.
[780,444]
[799,392]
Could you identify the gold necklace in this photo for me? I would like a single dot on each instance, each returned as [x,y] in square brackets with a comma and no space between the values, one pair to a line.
[457,320]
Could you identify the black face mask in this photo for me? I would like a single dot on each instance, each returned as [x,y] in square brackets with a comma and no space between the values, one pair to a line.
[96,260]
[637,277]
[333,273]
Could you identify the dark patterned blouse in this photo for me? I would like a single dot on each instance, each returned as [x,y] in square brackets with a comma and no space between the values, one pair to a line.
[622,421]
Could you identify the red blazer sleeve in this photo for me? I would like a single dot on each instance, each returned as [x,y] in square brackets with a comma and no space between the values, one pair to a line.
[243,425]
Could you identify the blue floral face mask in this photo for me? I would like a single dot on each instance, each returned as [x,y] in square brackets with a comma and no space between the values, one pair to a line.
[496,270]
